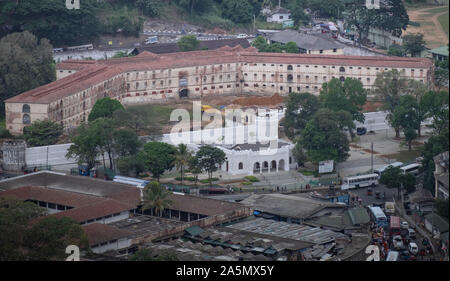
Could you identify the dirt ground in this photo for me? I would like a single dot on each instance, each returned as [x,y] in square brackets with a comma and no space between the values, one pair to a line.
[434,34]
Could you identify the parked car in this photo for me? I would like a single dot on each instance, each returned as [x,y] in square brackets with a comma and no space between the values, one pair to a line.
[412,248]
[397,242]
[242,35]
[369,191]
[411,233]
[361,131]
[404,225]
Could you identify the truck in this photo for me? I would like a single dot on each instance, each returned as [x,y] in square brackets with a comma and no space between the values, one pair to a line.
[151,40]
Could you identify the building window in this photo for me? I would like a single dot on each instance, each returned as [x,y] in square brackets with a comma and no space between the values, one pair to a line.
[342,78]
[26,119]
[334,50]
[289,67]
[241,166]
[26,108]
[321,51]
[341,69]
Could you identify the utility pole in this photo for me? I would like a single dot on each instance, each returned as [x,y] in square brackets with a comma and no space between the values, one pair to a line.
[371,157]
[47,159]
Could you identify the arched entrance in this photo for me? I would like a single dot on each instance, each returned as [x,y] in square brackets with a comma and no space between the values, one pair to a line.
[281,165]
[257,168]
[183,93]
[265,167]
[273,166]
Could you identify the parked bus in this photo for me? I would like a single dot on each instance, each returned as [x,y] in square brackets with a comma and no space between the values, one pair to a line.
[411,169]
[131,181]
[381,170]
[360,181]
[394,226]
[81,47]
[378,216]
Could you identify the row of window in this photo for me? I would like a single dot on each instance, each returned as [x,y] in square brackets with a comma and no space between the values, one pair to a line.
[100,218]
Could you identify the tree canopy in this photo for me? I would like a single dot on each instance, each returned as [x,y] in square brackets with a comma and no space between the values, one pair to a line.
[414,44]
[42,132]
[45,239]
[300,108]
[188,43]
[210,158]
[104,107]
[25,63]
[158,157]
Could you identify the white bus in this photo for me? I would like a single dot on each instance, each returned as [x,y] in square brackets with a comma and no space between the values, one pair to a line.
[360,181]
[378,216]
[411,169]
[381,170]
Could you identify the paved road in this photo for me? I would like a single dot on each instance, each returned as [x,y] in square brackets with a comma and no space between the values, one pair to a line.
[369,200]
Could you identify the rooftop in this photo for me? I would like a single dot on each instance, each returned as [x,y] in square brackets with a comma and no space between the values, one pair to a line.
[90,74]
[286,205]
[298,232]
[442,50]
[99,233]
[304,41]
[440,223]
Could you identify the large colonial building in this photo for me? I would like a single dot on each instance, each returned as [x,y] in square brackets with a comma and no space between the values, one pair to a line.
[149,78]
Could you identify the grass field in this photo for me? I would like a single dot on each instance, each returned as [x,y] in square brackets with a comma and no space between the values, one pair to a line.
[433,24]
[443,20]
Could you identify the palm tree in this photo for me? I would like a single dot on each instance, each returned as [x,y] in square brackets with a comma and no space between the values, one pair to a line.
[182,157]
[156,197]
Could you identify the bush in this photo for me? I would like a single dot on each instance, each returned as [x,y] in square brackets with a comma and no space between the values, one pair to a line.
[4,133]
[207,180]
[252,178]
[185,178]
[246,183]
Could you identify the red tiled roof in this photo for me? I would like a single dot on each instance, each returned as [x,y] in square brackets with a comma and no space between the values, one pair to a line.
[97,210]
[51,195]
[68,85]
[99,233]
[95,72]
[75,64]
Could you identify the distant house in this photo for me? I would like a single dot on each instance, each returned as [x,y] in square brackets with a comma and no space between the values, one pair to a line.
[308,44]
[279,15]
[436,224]
[440,53]
[441,175]
[421,201]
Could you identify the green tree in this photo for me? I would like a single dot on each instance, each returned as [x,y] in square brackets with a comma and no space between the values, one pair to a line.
[299,110]
[414,44]
[125,142]
[297,13]
[104,107]
[291,47]
[327,9]
[86,145]
[182,157]
[210,158]
[25,63]
[349,96]
[158,157]
[63,27]
[138,118]
[389,86]
[15,216]
[435,145]
[435,105]
[396,50]
[323,139]
[156,198]
[131,165]
[194,167]
[238,11]
[391,177]
[408,182]
[149,8]
[48,239]
[299,154]
[410,135]
[42,132]
[195,6]
[188,43]
[260,43]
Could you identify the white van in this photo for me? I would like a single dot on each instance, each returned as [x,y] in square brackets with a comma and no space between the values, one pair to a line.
[389,208]
[392,256]
[151,40]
